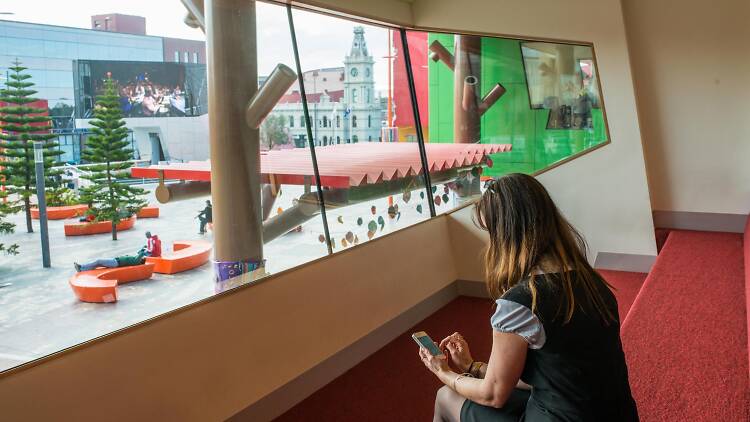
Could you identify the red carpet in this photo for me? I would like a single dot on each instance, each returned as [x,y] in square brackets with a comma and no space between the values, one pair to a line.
[627,285]
[393,385]
[685,336]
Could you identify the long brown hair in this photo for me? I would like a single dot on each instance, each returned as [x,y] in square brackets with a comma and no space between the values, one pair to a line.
[527,231]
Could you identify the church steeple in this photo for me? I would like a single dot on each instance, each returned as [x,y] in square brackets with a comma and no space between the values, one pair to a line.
[359,84]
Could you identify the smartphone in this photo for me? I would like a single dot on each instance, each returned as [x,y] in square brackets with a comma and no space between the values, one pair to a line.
[424,341]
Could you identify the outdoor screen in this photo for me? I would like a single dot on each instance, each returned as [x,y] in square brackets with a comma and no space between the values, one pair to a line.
[146,89]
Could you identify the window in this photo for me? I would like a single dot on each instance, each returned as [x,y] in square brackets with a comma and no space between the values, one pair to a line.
[177,56]
[338,121]
[291,121]
[355,95]
[195,57]
[354,121]
[325,140]
[338,139]
[325,121]
[355,139]
[539,98]
[186,57]
[301,121]
[369,120]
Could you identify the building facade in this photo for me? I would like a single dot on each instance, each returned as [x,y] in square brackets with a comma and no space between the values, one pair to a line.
[50,53]
[342,102]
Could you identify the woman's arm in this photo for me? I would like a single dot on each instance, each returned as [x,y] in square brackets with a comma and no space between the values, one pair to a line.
[481,370]
[501,375]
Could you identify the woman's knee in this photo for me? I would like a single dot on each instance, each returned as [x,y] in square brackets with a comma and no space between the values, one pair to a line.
[447,403]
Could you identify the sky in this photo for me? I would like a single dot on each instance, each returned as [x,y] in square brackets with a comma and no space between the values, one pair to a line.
[323,40]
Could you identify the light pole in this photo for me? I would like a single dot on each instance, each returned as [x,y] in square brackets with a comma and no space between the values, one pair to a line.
[42,201]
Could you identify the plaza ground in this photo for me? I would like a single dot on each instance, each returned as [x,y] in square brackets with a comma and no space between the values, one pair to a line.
[39,314]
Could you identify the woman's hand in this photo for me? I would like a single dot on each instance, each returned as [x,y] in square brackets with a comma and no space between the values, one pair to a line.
[458,351]
[436,364]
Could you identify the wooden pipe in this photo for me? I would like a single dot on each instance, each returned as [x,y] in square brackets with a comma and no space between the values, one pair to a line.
[438,52]
[195,17]
[180,191]
[491,98]
[261,104]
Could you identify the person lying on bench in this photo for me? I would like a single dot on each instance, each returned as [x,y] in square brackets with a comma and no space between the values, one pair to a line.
[556,349]
[119,261]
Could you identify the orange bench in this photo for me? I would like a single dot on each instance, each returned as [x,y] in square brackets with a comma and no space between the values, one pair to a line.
[99,227]
[148,212]
[186,255]
[100,285]
[61,213]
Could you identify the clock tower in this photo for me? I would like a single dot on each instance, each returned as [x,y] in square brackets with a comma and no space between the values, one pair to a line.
[358,79]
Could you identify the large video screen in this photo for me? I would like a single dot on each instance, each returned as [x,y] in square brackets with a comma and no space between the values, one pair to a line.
[146,89]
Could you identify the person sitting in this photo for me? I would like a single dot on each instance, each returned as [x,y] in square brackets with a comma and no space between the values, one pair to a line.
[119,261]
[205,217]
[153,245]
[556,349]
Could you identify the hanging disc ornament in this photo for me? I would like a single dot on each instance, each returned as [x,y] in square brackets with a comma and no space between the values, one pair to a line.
[360,221]
[322,239]
[356,239]
[370,234]
[279,210]
[373,210]
[398,216]
[434,189]
[381,221]
[392,211]
[406,196]
[343,243]
[437,200]
[445,189]
[445,198]
[340,219]
[419,208]
[372,226]
[421,195]
[349,237]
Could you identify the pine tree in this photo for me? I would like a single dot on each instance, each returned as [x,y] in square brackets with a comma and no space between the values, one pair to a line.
[6,207]
[107,146]
[20,126]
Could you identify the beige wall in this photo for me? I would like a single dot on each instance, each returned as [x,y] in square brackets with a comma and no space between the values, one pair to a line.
[212,360]
[691,61]
[604,193]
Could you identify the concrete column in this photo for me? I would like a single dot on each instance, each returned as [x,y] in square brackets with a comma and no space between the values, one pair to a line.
[235,150]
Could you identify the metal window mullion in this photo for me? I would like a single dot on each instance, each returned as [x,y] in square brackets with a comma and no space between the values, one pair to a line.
[417,122]
[308,129]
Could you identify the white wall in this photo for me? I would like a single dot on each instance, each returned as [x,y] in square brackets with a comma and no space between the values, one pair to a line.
[691,61]
[605,192]
[183,138]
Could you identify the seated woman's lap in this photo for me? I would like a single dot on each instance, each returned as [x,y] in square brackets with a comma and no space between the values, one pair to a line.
[512,411]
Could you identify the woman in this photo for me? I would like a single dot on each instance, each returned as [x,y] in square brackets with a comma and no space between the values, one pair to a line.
[556,350]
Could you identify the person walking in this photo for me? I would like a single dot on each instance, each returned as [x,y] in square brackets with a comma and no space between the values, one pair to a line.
[205,217]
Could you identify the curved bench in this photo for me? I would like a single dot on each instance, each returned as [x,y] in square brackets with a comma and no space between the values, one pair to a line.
[99,227]
[61,213]
[186,255]
[148,212]
[100,285]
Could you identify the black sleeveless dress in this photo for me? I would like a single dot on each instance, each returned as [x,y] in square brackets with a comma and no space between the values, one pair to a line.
[577,369]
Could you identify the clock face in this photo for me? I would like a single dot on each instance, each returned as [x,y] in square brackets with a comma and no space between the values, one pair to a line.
[367,72]
[354,72]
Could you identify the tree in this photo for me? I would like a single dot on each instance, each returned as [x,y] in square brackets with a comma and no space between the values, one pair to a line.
[272,131]
[21,125]
[107,147]
[6,207]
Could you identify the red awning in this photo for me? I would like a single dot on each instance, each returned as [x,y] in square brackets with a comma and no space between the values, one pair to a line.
[342,166]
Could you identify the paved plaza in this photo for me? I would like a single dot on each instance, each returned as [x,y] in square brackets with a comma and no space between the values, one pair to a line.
[39,314]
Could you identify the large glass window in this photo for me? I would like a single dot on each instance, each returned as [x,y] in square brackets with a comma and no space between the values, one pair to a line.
[487,106]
